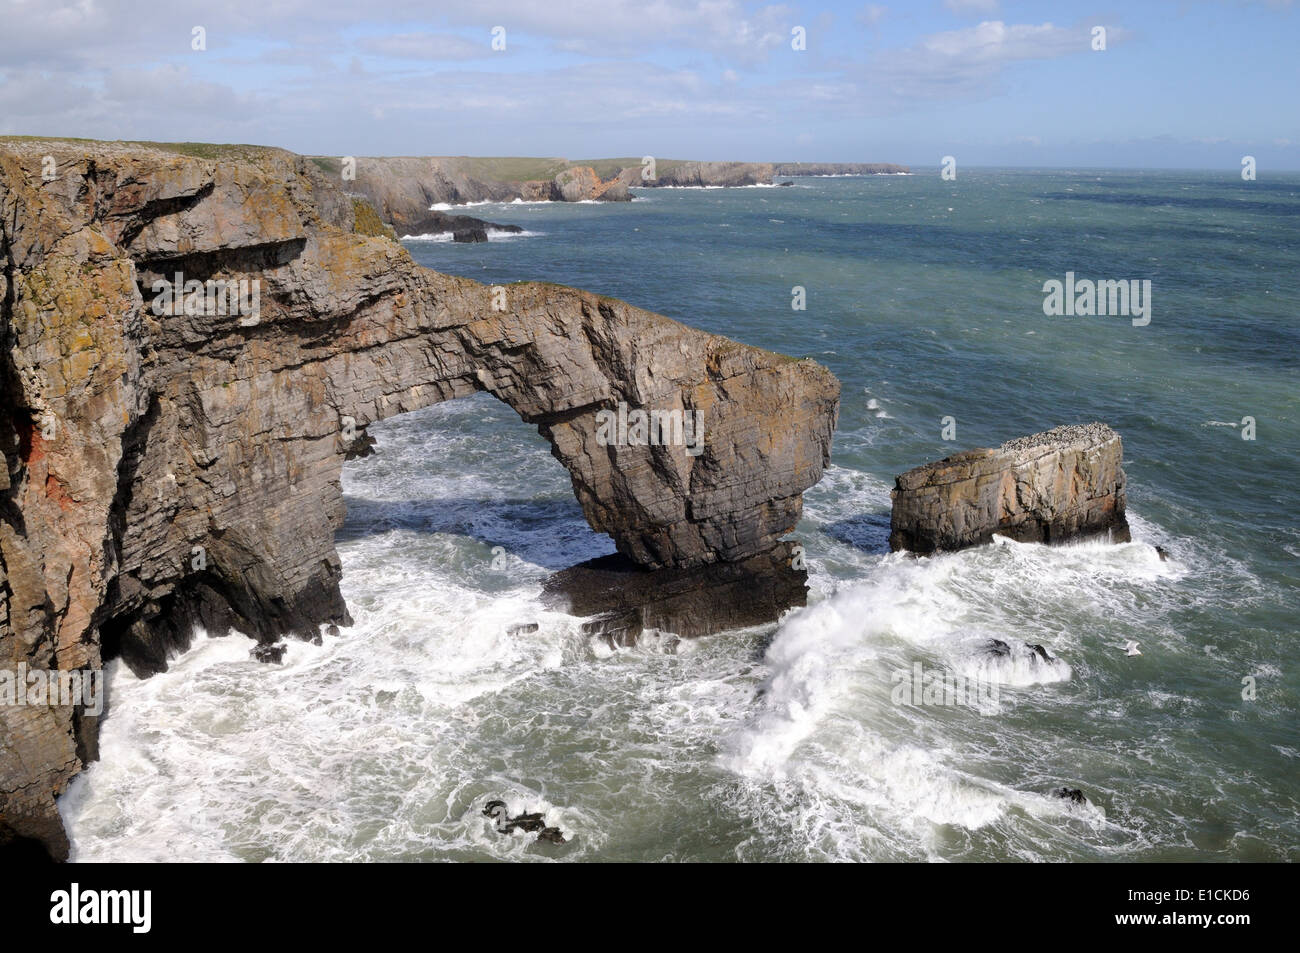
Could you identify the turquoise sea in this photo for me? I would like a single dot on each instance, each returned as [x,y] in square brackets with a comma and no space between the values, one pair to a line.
[925,298]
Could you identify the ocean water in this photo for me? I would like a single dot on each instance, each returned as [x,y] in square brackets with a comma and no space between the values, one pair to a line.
[788,741]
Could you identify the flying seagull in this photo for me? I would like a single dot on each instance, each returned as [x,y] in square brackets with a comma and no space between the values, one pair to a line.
[1131,648]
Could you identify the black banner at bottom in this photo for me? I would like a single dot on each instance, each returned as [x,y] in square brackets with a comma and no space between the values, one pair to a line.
[140,903]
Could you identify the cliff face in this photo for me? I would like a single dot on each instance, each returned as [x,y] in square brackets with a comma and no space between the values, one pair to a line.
[171,466]
[695,174]
[1063,484]
[840,168]
[404,188]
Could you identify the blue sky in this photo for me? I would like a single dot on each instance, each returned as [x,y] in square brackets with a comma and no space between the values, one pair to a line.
[1181,83]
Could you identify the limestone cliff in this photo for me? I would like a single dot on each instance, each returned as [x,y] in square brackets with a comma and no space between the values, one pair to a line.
[840,168]
[1063,484]
[678,174]
[404,188]
[173,463]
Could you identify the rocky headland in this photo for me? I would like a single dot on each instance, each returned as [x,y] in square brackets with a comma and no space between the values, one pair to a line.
[405,189]
[1053,487]
[840,168]
[172,448]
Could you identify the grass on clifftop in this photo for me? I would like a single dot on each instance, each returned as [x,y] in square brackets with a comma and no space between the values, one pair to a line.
[484,168]
[608,168]
[198,150]
[521,168]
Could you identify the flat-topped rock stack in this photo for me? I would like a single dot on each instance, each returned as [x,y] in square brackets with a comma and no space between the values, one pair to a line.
[1052,487]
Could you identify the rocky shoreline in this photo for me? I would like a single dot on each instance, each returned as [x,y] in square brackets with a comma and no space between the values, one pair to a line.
[405,189]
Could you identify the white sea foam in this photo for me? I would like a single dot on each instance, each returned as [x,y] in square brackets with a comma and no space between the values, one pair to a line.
[448,206]
[493,235]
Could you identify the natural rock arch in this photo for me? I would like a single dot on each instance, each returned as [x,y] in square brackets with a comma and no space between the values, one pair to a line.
[167,469]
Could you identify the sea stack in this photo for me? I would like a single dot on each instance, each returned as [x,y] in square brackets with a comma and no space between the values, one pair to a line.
[1052,487]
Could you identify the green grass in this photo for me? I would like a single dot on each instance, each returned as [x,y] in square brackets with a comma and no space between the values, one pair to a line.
[484,168]
[199,150]
[608,168]
[506,168]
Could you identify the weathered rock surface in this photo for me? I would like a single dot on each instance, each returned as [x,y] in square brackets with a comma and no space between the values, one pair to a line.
[840,168]
[404,188]
[625,599]
[699,174]
[463,228]
[1052,487]
[164,470]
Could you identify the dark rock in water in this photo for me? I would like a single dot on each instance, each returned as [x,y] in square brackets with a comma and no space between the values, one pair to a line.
[528,823]
[1162,553]
[1039,651]
[551,835]
[626,599]
[463,228]
[999,648]
[1073,795]
[1052,487]
[268,653]
[360,446]
[523,628]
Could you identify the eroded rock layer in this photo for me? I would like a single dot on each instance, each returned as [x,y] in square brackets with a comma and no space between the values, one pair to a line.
[172,466]
[1063,484]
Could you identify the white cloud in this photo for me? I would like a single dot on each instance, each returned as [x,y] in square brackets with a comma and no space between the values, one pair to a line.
[426,47]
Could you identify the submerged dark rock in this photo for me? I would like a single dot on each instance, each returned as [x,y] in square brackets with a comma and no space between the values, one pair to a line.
[268,653]
[1039,651]
[1073,795]
[463,228]
[1053,487]
[528,823]
[626,599]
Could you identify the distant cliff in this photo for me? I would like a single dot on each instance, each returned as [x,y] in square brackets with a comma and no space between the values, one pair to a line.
[840,168]
[171,451]
[405,188]
[670,173]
